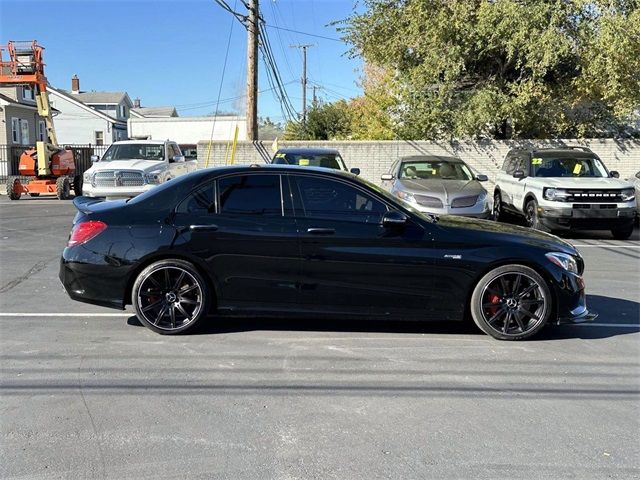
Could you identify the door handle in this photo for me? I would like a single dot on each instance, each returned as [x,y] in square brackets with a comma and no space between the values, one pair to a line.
[210,228]
[321,231]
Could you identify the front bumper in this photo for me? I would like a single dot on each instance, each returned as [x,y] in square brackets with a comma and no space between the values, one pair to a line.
[482,211]
[115,192]
[587,216]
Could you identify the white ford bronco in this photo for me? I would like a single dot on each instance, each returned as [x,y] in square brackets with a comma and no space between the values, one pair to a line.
[564,188]
[131,167]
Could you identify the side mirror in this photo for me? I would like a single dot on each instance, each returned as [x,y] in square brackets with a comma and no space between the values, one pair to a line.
[355,171]
[177,158]
[518,174]
[394,219]
[614,174]
[482,178]
[95,158]
[386,177]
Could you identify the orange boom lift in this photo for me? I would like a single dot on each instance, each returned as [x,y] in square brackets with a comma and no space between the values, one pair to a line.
[50,169]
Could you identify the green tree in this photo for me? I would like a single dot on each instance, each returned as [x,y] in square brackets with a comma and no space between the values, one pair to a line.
[503,68]
[325,121]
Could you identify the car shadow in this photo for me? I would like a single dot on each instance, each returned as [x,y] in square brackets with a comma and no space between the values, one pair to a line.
[614,311]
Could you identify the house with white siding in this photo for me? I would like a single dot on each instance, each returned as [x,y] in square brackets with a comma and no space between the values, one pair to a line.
[20,123]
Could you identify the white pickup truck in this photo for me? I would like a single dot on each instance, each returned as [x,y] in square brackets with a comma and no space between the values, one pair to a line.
[131,167]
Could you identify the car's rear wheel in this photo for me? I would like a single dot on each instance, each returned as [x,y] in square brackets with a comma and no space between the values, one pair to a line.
[622,233]
[512,302]
[170,297]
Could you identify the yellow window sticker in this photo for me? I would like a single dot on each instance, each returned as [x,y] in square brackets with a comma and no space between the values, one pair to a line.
[280,155]
[577,169]
[433,171]
[303,161]
[536,161]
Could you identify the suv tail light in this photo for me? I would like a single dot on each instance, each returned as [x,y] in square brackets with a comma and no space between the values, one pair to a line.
[84,231]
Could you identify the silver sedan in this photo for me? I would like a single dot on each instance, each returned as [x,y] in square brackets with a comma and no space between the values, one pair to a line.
[440,185]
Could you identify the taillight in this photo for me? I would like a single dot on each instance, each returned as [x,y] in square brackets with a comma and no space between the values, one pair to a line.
[85,231]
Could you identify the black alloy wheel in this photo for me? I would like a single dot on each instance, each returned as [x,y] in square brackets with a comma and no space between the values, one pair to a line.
[532,217]
[512,302]
[170,297]
[497,207]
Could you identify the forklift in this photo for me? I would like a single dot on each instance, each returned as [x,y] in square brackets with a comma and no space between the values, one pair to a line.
[48,168]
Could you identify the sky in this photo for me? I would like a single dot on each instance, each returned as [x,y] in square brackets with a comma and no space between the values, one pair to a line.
[171,52]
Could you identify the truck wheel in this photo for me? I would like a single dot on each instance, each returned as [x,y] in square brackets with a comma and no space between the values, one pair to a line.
[13,188]
[63,188]
[532,217]
[622,233]
[77,185]
[498,212]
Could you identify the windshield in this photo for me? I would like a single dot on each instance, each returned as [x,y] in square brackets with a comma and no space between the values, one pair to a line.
[396,200]
[435,170]
[134,151]
[568,167]
[325,160]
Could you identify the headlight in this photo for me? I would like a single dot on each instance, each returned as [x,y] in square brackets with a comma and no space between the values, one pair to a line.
[482,198]
[555,194]
[628,195]
[152,178]
[87,177]
[563,260]
[407,197]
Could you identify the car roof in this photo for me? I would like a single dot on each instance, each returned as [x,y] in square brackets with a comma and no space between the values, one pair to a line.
[144,142]
[571,152]
[307,150]
[432,158]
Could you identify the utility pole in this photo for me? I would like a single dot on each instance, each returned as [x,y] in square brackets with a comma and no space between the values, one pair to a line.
[252,69]
[304,80]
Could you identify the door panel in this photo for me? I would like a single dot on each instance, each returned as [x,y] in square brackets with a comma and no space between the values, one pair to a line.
[250,248]
[351,263]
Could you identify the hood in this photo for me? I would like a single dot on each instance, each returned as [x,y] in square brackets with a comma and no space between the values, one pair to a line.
[505,233]
[141,165]
[583,182]
[445,190]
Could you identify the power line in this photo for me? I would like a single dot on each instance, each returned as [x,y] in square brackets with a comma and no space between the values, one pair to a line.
[306,33]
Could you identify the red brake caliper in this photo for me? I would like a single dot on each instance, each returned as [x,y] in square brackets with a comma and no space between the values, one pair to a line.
[493,298]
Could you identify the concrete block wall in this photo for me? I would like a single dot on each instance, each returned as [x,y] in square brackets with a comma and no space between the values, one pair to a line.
[375,157]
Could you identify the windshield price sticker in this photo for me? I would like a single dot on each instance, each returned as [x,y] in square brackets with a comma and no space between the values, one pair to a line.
[577,168]
[536,161]
[303,161]
[280,155]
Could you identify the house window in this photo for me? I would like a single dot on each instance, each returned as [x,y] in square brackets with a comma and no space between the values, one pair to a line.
[99,137]
[24,131]
[15,130]
[42,131]
[123,111]
[28,94]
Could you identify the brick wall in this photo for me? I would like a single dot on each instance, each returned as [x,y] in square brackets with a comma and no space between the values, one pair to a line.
[375,157]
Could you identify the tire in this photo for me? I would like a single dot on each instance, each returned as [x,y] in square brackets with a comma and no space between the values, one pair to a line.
[532,218]
[77,185]
[622,233]
[12,188]
[498,212]
[63,188]
[170,297]
[502,303]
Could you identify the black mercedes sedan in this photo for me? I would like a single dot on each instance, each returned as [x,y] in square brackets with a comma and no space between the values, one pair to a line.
[301,241]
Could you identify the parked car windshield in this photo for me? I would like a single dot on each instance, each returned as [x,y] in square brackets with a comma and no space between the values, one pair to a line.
[325,160]
[435,170]
[134,151]
[567,167]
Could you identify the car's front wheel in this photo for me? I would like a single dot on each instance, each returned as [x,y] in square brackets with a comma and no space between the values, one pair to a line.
[511,302]
[170,296]
[533,217]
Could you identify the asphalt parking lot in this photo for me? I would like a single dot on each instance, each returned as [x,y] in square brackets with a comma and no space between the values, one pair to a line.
[89,393]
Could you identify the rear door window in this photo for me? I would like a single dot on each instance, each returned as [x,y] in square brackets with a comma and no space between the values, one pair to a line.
[250,195]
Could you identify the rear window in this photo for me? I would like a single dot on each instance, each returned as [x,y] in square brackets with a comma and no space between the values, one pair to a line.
[324,160]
